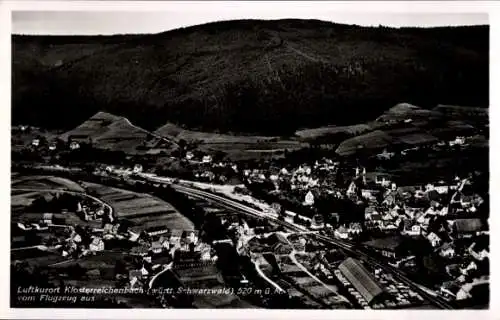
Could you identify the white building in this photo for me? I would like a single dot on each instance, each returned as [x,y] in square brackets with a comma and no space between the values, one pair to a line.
[74,145]
[137,168]
[434,239]
[341,233]
[309,199]
[207,159]
[96,245]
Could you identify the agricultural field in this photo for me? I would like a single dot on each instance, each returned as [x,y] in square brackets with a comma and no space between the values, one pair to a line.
[36,257]
[467,114]
[373,140]
[141,209]
[45,183]
[21,199]
[314,133]
[406,111]
[237,147]
[107,131]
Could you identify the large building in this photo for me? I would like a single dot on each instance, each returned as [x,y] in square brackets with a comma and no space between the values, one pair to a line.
[361,279]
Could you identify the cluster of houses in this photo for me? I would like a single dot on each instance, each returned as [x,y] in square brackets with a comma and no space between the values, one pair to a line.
[73,142]
[305,177]
[93,212]
[444,215]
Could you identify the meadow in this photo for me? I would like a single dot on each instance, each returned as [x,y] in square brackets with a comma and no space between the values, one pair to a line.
[141,209]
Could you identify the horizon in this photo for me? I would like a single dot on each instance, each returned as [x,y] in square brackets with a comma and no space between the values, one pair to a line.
[107,23]
[256,19]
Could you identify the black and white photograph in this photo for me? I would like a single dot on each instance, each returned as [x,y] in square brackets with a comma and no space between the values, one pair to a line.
[230,156]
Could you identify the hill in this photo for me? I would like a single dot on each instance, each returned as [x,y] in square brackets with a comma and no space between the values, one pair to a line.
[270,77]
[108,131]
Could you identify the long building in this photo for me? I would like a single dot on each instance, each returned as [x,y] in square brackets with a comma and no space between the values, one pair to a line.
[361,279]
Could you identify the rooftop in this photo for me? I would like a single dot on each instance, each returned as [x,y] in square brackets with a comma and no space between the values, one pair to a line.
[390,243]
[360,278]
[468,225]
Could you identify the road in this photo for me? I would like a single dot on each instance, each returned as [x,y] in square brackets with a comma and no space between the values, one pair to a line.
[327,287]
[165,268]
[244,209]
[151,133]
[263,275]
[423,291]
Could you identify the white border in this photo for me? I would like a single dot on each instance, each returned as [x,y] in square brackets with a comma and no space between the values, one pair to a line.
[352,6]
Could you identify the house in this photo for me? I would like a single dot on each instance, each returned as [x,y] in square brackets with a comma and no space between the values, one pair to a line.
[481,255]
[470,267]
[447,250]
[115,228]
[341,233]
[390,247]
[206,159]
[434,239]
[352,189]
[190,236]
[108,228]
[74,145]
[189,155]
[157,247]
[458,141]
[369,212]
[309,199]
[465,201]
[47,218]
[383,180]
[75,237]
[465,228]
[35,142]
[411,228]
[175,237]
[317,222]
[369,194]
[157,230]
[137,168]
[96,245]
[144,272]
[355,228]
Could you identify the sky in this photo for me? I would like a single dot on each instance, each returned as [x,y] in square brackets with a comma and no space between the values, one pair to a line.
[121,22]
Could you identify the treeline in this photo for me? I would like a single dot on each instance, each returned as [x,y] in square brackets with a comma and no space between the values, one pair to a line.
[253,76]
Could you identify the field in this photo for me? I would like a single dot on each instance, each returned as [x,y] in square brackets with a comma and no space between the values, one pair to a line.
[45,182]
[404,111]
[36,257]
[467,114]
[141,209]
[372,140]
[23,198]
[107,131]
[314,133]
[237,147]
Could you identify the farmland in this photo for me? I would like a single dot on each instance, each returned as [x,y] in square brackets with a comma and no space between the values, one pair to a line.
[237,147]
[45,182]
[141,209]
[314,133]
[107,131]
